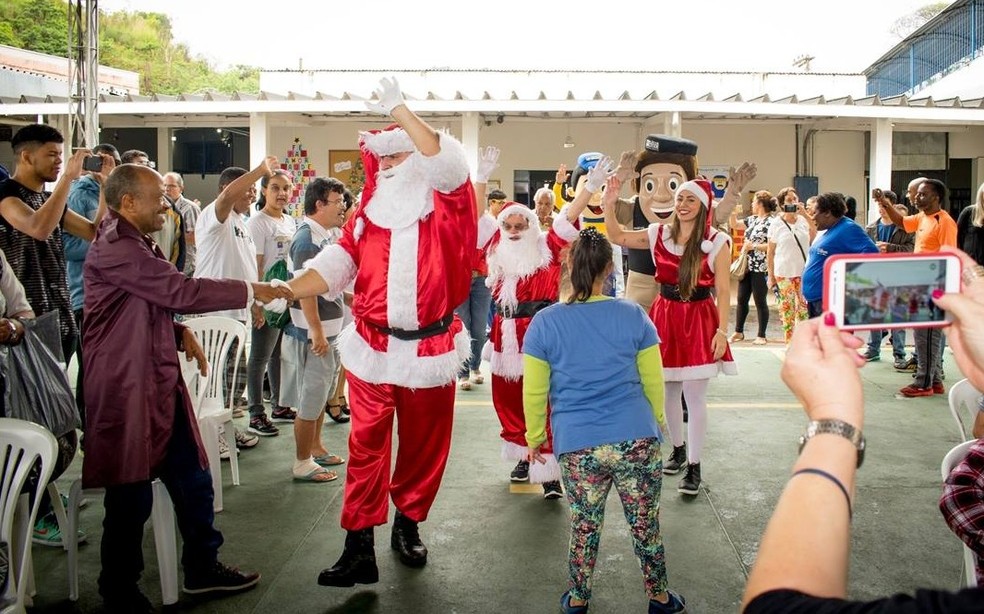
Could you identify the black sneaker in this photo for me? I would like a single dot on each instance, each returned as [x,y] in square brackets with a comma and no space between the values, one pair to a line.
[690,484]
[262,426]
[521,473]
[128,602]
[870,356]
[675,603]
[282,414]
[552,490]
[676,461]
[219,577]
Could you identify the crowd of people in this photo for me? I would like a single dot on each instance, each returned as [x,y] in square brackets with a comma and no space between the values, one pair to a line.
[591,370]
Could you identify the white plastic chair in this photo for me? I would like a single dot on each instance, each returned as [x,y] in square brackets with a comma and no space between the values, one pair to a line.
[951,460]
[216,334]
[165,538]
[963,404]
[22,444]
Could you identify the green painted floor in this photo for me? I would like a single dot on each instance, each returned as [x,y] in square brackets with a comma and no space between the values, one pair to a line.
[495,550]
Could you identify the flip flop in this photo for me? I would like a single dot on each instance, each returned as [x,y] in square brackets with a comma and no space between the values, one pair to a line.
[329,460]
[317,475]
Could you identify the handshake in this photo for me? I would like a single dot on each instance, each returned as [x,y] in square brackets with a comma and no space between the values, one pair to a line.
[273,296]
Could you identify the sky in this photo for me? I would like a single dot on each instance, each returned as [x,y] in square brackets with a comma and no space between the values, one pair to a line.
[715,35]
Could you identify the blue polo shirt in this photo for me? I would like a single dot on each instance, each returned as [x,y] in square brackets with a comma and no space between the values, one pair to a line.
[844,237]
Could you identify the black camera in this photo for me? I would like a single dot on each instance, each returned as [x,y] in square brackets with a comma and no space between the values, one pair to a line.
[93,164]
[790,208]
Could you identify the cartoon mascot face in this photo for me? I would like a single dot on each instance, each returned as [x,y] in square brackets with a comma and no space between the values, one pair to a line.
[664,164]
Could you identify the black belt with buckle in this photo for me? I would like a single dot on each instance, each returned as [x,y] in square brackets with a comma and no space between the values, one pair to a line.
[431,330]
[526,309]
[672,292]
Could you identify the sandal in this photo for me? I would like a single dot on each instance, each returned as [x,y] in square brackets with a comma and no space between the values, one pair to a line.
[736,337]
[328,460]
[760,341]
[343,404]
[317,475]
[464,384]
[340,417]
[477,378]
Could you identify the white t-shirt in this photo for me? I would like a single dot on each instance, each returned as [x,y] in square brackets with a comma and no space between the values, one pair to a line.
[225,251]
[272,237]
[789,261]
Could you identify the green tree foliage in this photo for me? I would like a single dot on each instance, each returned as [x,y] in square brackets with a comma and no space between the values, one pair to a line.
[907,24]
[138,41]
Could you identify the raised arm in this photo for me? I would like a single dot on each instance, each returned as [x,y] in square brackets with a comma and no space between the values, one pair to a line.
[39,224]
[594,180]
[237,189]
[885,206]
[391,102]
[633,239]
[738,178]
[488,161]
[81,226]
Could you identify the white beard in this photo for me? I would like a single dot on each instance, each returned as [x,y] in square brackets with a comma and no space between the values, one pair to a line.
[402,197]
[511,261]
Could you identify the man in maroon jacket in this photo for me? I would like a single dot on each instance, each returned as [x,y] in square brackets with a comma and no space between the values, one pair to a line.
[139,415]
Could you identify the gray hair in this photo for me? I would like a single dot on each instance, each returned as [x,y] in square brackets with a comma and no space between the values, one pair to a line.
[177,177]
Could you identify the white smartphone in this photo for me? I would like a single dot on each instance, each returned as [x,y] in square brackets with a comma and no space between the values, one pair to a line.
[887,291]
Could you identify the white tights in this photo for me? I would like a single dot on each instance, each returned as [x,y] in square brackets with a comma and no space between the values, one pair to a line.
[696,393]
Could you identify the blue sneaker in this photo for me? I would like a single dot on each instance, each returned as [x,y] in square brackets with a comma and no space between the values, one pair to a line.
[567,608]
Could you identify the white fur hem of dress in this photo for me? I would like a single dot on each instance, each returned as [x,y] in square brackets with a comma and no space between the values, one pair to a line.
[684,374]
[335,266]
[399,365]
[548,471]
[513,452]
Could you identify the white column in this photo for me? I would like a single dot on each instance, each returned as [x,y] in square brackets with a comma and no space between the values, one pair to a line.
[976,178]
[672,125]
[880,163]
[164,162]
[470,127]
[259,136]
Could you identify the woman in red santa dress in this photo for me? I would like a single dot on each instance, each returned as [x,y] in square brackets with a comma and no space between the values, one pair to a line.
[524,276]
[692,265]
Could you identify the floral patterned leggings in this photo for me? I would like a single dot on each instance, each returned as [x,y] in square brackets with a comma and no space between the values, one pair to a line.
[792,305]
[636,469]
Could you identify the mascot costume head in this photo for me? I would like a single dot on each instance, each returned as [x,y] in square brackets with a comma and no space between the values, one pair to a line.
[664,164]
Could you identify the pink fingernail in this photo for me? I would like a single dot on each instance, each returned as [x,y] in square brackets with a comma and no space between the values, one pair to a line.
[937,293]
[828,319]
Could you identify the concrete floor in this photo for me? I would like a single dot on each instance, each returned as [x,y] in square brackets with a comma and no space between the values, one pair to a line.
[496,548]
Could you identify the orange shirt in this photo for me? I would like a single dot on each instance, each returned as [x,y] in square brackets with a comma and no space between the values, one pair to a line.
[932,231]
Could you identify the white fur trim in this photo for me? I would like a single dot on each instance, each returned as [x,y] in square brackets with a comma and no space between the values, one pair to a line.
[486,230]
[684,374]
[563,226]
[694,188]
[508,363]
[487,351]
[387,142]
[518,209]
[548,471]
[512,452]
[447,170]
[335,266]
[399,364]
[706,246]
[719,240]
[401,279]
[360,227]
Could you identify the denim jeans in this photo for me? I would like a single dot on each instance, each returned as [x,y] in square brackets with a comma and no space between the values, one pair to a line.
[473,313]
[128,507]
[898,342]
[264,357]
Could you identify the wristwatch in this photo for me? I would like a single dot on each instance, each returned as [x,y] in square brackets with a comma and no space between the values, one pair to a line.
[836,427]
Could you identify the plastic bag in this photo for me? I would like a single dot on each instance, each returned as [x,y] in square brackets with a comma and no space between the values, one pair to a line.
[277,271]
[37,386]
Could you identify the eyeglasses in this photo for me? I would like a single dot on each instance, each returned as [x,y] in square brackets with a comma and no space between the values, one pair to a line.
[340,202]
[497,201]
[171,185]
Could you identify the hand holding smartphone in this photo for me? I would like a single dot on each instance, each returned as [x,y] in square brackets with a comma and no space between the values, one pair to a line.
[888,291]
[92,164]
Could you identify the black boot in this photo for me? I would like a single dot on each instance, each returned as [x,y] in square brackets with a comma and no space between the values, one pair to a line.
[357,565]
[690,484]
[676,461]
[406,541]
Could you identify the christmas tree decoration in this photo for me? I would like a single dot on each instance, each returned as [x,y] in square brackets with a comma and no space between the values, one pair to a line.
[302,172]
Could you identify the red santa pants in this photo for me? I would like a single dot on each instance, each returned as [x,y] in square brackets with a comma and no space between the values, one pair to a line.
[507,397]
[424,421]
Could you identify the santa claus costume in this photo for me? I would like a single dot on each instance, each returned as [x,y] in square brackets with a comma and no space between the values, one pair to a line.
[524,276]
[687,327]
[403,247]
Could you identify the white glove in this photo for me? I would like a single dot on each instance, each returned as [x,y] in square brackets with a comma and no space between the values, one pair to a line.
[389,97]
[598,175]
[278,305]
[488,161]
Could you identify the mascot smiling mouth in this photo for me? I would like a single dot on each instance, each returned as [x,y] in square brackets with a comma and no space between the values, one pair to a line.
[662,213]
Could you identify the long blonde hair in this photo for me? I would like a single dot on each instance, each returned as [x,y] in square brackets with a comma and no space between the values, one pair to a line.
[979,210]
[692,258]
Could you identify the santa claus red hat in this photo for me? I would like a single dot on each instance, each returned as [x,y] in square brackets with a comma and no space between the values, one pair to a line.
[392,140]
[702,189]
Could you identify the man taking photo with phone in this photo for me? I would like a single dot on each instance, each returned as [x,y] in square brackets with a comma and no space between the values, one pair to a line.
[933,228]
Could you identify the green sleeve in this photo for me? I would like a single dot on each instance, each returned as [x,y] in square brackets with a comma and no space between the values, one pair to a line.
[650,363]
[536,382]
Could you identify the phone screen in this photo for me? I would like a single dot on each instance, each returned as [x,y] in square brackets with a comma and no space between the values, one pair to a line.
[893,292]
